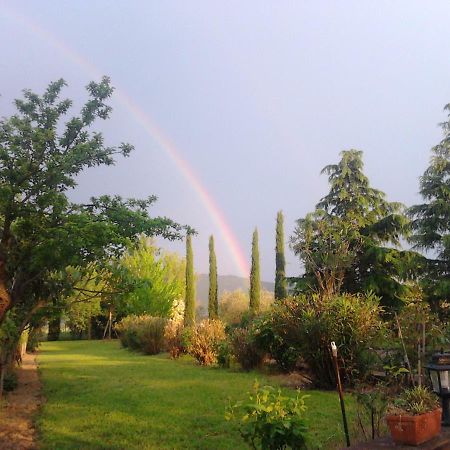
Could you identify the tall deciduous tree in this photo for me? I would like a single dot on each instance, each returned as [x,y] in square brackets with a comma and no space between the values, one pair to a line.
[351,242]
[255,277]
[189,300]
[213,301]
[160,280]
[41,231]
[431,220]
[280,262]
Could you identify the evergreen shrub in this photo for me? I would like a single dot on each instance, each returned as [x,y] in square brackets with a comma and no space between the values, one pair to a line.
[245,348]
[305,326]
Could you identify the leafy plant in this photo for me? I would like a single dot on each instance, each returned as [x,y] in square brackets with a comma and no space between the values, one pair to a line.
[270,420]
[371,402]
[225,354]
[304,326]
[414,401]
[245,348]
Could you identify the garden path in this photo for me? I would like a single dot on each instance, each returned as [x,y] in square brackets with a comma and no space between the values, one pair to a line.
[17,430]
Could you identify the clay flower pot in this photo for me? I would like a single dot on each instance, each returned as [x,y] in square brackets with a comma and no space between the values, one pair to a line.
[415,430]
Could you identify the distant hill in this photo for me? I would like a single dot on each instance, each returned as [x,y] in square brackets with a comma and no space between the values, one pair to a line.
[225,283]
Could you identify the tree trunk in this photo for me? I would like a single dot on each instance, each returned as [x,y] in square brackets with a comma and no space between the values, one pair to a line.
[5,297]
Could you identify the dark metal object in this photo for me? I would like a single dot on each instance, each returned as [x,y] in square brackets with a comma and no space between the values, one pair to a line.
[439,372]
[341,394]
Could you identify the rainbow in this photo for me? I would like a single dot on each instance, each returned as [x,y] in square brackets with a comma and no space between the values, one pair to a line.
[152,129]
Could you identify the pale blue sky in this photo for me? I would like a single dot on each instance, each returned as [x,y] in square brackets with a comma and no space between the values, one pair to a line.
[257,96]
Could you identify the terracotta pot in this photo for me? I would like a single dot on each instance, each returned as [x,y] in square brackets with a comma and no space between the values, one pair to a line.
[415,430]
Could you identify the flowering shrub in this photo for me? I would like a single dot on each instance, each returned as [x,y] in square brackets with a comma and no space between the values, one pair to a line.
[174,336]
[270,420]
[144,333]
[205,340]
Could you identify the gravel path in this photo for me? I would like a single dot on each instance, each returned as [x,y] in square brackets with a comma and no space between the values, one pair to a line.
[17,431]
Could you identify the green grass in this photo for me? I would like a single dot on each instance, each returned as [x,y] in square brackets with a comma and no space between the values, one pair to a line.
[100,396]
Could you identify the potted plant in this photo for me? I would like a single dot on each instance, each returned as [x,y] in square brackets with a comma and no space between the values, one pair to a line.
[414,417]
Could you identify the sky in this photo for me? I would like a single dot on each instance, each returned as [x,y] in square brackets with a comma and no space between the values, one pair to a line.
[235,107]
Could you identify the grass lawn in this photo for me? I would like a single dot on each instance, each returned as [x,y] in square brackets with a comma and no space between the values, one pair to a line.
[100,396]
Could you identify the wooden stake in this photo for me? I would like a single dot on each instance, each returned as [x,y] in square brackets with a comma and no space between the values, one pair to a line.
[341,394]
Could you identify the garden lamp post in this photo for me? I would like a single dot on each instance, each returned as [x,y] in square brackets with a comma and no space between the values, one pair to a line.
[439,373]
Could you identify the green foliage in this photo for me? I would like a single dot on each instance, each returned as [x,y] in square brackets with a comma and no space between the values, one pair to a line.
[10,381]
[276,334]
[372,402]
[270,420]
[42,154]
[414,401]
[143,333]
[280,261]
[213,300]
[35,338]
[159,280]
[234,305]
[205,341]
[416,320]
[225,354]
[255,277]
[305,326]
[90,286]
[189,301]
[351,241]
[245,349]
[431,220]
[54,327]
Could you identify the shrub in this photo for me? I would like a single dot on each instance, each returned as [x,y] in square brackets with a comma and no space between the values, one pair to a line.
[306,325]
[174,336]
[245,348]
[276,335]
[270,420]
[414,401]
[10,381]
[205,341]
[225,354]
[144,333]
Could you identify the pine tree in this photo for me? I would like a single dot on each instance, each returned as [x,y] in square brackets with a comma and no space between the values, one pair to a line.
[213,305]
[350,242]
[189,301]
[431,220]
[255,279]
[280,262]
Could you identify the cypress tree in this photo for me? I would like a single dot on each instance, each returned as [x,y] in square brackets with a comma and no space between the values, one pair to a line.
[255,279]
[280,262]
[189,301]
[213,304]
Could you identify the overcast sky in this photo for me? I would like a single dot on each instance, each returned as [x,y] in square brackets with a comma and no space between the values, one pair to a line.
[256,97]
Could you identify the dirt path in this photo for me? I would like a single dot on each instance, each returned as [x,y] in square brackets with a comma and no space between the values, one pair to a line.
[17,430]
